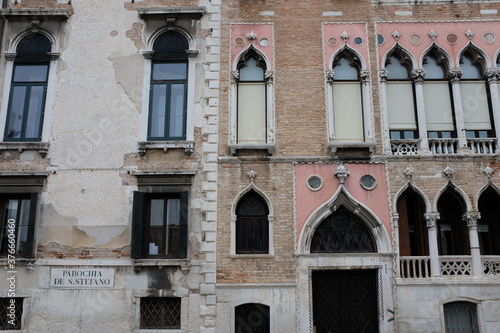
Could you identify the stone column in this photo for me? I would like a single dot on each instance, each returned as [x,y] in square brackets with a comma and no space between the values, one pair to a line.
[395,236]
[367,109]
[492,76]
[471,219]
[431,219]
[417,75]
[454,77]
[386,137]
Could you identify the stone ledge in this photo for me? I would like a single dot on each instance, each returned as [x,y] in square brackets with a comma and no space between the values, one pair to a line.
[42,147]
[55,14]
[195,12]
[188,146]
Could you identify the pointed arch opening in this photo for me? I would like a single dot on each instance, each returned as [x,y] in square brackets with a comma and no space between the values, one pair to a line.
[453,235]
[488,226]
[413,235]
[252,224]
[342,232]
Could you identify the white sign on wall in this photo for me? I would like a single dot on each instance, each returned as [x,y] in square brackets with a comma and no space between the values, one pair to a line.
[82,277]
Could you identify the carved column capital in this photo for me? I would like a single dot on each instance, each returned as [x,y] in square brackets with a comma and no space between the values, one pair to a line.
[365,75]
[383,74]
[235,76]
[329,74]
[269,77]
[454,75]
[471,219]
[431,219]
[417,75]
[492,74]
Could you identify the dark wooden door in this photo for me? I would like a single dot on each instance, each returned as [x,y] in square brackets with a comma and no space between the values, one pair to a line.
[345,301]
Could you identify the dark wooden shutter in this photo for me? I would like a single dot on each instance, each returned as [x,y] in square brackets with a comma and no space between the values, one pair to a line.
[31,226]
[183,225]
[137,245]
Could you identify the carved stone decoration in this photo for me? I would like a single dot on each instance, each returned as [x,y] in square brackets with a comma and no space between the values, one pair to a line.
[341,173]
[235,76]
[471,219]
[365,75]
[492,74]
[408,172]
[433,34]
[382,73]
[251,175]
[269,76]
[192,53]
[251,36]
[34,26]
[329,75]
[417,75]
[454,75]
[431,219]
[469,33]
[448,172]
[170,23]
[396,34]
[344,36]
[488,171]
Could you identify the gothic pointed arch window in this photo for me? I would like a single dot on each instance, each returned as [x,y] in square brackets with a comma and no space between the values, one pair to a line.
[252,102]
[413,236]
[26,106]
[168,90]
[453,236]
[437,97]
[400,96]
[252,224]
[475,97]
[342,232]
[347,98]
[488,226]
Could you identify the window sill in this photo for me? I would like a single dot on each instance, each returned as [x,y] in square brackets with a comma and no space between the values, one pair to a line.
[334,146]
[188,146]
[42,147]
[239,146]
[184,264]
[252,256]
[153,330]
[26,262]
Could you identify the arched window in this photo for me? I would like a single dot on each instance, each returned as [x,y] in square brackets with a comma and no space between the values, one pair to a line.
[167,105]
[252,225]
[251,115]
[453,233]
[400,97]
[437,96]
[28,89]
[347,98]
[474,92]
[488,226]
[413,236]
[460,317]
[251,318]
[342,232]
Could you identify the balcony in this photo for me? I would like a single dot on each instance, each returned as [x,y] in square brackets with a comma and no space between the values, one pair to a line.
[480,146]
[404,147]
[443,146]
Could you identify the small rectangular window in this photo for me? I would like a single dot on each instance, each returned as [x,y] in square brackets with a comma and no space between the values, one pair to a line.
[11,312]
[461,317]
[160,312]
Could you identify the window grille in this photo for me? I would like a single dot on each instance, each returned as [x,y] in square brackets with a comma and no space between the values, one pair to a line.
[252,318]
[160,312]
[5,310]
[461,317]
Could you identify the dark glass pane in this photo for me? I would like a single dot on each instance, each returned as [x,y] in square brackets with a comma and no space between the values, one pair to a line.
[16,110]
[177,110]
[157,212]
[156,229]
[453,233]
[344,71]
[251,71]
[395,135]
[433,70]
[470,69]
[34,43]
[30,73]
[342,232]
[155,244]
[158,111]
[409,135]
[252,204]
[396,70]
[170,45]
[35,111]
[173,240]
[489,223]
[160,313]
[169,71]
[22,232]
[173,220]
[252,318]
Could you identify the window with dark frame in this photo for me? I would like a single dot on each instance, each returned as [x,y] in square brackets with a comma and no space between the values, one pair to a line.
[252,225]
[252,318]
[461,317]
[168,90]
[160,225]
[160,313]
[488,226]
[28,89]
[18,211]
[453,236]
[10,306]
[413,235]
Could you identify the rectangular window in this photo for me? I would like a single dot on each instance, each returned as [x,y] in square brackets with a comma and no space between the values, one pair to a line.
[11,312]
[438,109]
[461,317]
[401,106]
[160,225]
[251,113]
[475,105]
[18,214]
[348,112]
[160,312]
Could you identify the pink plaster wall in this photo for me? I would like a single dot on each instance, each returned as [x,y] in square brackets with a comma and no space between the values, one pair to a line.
[260,31]
[308,201]
[443,29]
[354,30]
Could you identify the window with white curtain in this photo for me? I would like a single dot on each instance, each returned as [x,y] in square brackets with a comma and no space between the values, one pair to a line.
[461,317]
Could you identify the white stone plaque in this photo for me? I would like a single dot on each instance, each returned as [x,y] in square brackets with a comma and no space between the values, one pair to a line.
[89,278]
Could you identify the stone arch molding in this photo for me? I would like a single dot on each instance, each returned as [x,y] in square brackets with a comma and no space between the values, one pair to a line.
[478,54]
[250,48]
[417,190]
[158,32]
[20,36]
[441,51]
[343,198]
[270,218]
[347,48]
[458,190]
[399,49]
